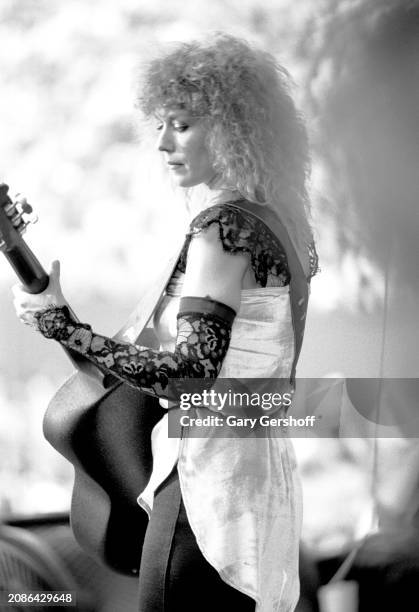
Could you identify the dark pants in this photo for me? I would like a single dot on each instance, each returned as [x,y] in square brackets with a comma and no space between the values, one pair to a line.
[174,575]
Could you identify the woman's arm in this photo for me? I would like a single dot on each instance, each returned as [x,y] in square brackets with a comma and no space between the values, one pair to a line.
[212,271]
[212,284]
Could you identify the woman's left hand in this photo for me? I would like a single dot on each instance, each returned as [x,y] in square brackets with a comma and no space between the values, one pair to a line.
[27,304]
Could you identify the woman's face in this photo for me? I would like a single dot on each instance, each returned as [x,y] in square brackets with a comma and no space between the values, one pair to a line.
[182,142]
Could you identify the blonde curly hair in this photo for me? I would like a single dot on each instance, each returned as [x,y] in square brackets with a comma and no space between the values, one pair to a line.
[256,137]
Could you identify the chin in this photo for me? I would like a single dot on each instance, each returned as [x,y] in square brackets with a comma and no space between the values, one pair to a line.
[185,183]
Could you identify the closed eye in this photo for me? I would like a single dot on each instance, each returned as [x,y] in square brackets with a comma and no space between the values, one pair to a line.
[180,127]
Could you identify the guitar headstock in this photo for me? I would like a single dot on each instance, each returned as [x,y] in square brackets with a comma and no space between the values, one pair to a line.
[15,216]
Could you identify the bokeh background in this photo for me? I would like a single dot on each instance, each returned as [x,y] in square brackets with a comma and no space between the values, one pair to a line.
[69,141]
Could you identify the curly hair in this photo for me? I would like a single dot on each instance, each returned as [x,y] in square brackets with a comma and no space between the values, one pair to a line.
[257,139]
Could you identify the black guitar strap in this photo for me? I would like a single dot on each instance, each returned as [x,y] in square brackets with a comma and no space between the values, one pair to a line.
[299,283]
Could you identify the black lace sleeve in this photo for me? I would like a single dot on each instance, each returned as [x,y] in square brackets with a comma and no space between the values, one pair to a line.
[203,337]
[313,259]
[241,232]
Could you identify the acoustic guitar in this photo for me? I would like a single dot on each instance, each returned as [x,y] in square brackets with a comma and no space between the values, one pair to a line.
[104,432]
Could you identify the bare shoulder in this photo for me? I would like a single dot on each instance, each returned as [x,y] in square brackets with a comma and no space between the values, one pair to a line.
[212,271]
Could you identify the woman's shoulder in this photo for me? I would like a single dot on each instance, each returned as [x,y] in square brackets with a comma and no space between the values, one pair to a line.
[237,227]
[239,231]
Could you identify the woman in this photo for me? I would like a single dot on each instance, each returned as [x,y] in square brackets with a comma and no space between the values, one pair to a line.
[224,512]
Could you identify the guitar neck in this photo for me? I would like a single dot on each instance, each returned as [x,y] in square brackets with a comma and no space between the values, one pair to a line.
[28,269]
[35,280]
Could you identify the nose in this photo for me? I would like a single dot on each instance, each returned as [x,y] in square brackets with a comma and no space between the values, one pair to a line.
[165,141]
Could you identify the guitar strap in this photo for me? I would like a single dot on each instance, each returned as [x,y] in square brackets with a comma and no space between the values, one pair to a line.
[137,321]
[299,283]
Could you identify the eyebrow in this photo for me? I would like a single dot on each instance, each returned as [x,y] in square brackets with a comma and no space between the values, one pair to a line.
[175,114]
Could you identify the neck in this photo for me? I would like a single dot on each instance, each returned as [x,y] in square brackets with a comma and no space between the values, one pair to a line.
[202,197]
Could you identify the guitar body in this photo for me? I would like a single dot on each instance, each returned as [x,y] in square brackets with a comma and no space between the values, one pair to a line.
[106,435]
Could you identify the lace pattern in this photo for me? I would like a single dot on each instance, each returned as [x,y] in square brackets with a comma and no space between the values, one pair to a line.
[313,259]
[241,232]
[201,345]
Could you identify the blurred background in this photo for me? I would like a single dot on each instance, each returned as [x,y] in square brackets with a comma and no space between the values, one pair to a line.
[69,142]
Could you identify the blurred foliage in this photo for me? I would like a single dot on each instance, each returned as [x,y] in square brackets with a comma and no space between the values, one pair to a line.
[362,87]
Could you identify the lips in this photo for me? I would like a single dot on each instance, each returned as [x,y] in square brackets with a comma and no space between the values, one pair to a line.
[175,166]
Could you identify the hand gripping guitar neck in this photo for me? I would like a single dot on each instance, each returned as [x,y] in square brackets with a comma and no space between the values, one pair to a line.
[104,433]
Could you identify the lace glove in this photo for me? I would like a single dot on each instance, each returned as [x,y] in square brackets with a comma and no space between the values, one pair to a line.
[203,337]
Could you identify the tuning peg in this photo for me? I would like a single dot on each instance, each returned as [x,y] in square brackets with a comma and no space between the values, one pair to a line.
[28,221]
[23,204]
[9,207]
[19,208]
[17,220]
